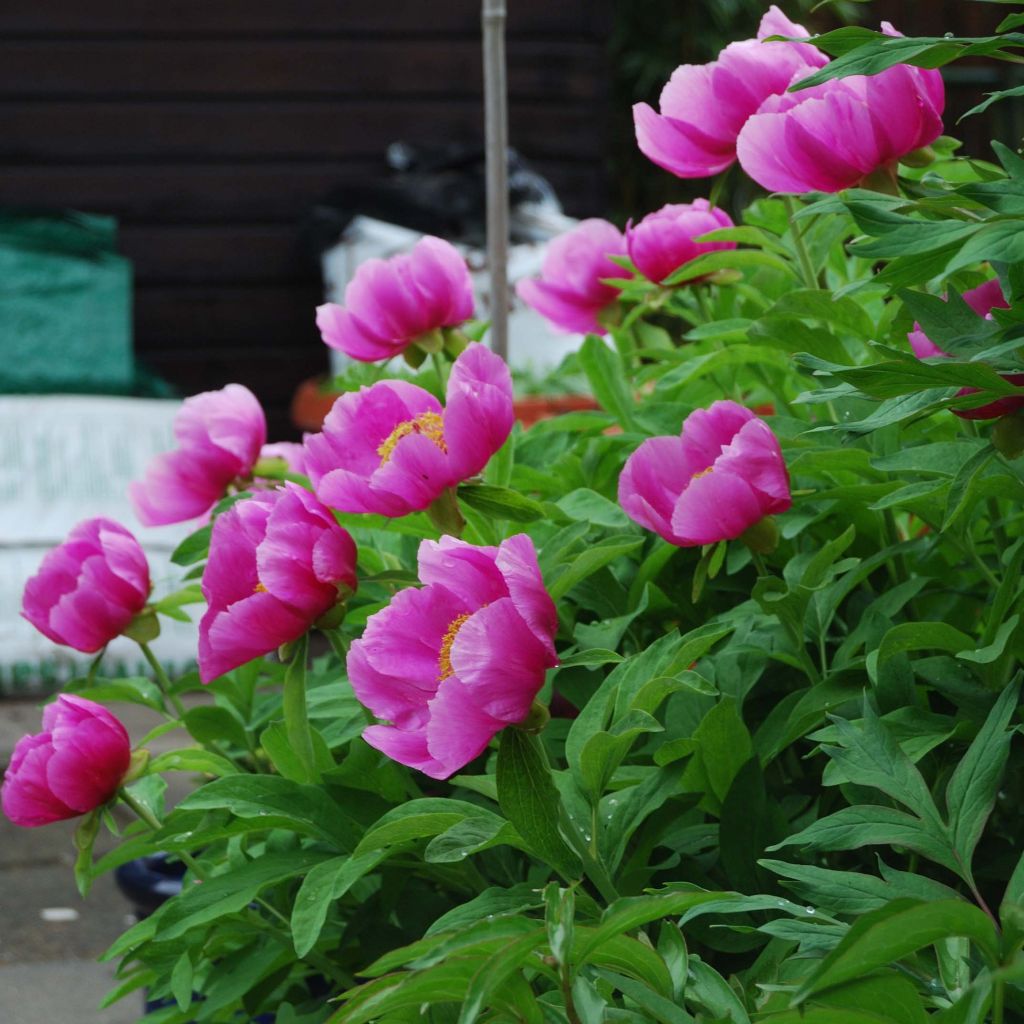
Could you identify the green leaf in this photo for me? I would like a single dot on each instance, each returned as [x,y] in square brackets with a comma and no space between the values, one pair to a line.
[656,1006]
[210,723]
[594,558]
[495,971]
[723,747]
[194,548]
[528,798]
[590,507]
[492,903]
[471,835]
[419,819]
[883,998]
[273,802]
[869,756]
[971,792]
[181,982]
[501,503]
[591,658]
[874,825]
[192,759]
[607,376]
[631,912]
[894,931]
[729,259]
[325,883]
[850,892]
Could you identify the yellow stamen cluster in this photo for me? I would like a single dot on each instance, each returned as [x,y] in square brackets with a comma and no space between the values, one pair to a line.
[703,472]
[444,658]
[259,589]
[429,424]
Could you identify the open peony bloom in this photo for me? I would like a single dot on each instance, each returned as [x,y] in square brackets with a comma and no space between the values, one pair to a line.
[704,106]
[569,291]
[450,664]
[389,304]
[982,300]
[219,435]
[721,476]
[278,562]
[89,588]
[833,136]
[70,768]
[392,449]
[664,240]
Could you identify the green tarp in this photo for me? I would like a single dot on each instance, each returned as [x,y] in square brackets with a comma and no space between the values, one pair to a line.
[65,305]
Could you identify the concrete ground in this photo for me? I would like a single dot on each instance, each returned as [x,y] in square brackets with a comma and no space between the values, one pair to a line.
[50,937]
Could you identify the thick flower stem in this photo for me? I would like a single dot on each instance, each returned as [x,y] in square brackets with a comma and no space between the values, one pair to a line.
[296,716]
[802,255]
[162,679]
[441,368]
[445,514]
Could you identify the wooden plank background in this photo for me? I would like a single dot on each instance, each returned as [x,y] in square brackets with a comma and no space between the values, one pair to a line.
[210,127]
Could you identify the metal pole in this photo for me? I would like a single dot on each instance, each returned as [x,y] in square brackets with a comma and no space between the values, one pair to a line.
[493,17]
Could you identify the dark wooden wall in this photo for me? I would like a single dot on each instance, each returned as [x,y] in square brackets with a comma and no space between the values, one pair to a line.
[209,127]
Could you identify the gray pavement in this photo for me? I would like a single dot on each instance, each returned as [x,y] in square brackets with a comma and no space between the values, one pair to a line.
[50,937]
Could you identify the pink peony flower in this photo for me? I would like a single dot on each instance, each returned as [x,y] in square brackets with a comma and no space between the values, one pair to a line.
[450,664]
[70,768]
[704,106]
[392,449]
[89,588]
[721,476]
[833,136]
[219,434]
[664,240]
[278,562]
[569,291]
[389,304]
[982,300]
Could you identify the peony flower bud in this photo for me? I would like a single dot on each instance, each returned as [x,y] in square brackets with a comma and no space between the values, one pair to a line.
[88,589]
[664,240]
[838,134]
[704,106]
[278,562]
[720,477]
[392,304]
[451,664]
[73,766]
[569,291]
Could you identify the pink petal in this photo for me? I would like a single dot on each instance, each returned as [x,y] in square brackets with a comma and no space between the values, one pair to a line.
[500,661]
[408,748]
[458,730]
[478,414]
[467,570]
[517,560]
[718,506]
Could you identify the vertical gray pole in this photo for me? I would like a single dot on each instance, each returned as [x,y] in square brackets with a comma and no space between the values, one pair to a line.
[493,17]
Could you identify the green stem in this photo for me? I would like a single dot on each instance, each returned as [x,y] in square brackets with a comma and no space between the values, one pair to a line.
[162,679]
[998,1001]
[445,514]
[802,255]
[296,716]
[762,569]
[441,368]
[143,812]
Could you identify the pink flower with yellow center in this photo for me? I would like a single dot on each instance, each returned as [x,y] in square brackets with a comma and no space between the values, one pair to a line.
[393,449]
[450,664]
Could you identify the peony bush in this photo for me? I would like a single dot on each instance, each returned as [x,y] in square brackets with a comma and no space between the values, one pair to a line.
[699,707]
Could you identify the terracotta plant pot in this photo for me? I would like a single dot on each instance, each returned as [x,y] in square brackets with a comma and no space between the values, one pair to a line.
[311,403]
[534,408]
